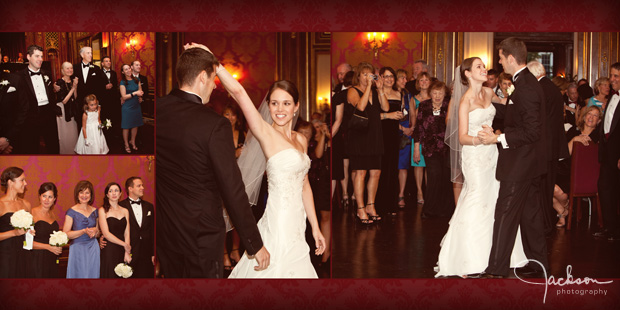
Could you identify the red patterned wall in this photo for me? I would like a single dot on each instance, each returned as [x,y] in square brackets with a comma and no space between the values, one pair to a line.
[66,171]
[403,49]
[145,53]
[250,54]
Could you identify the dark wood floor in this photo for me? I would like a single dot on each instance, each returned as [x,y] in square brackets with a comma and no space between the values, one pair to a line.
[406,246]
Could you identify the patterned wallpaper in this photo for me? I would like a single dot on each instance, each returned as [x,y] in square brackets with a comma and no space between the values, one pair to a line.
[66,171]
[252,55]
[404,48]
[145,53]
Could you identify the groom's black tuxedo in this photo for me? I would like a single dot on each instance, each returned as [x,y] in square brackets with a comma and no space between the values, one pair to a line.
[95,84]
[196,172]
[141,239]
[609,178]
[519,169]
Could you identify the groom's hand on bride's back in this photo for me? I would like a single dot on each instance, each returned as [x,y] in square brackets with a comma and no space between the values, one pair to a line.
[262,257]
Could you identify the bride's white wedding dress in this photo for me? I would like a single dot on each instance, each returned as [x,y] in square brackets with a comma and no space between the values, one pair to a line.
[283,224]
[466,247]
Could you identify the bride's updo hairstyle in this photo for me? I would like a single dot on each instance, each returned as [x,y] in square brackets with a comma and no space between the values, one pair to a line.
[286,86]
[10,173]
[466,66]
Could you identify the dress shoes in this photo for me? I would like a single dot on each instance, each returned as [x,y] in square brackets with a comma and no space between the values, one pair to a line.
[613,237]
[530,272]
[483,275]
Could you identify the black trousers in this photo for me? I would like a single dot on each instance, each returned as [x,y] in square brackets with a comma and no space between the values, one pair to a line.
[608,188]
[518,204]
[548,186]
[142,266]
[176,265]
[439,198]
[37,125]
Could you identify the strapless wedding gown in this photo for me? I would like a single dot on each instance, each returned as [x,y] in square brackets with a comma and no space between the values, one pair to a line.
[283,225]
[466,247]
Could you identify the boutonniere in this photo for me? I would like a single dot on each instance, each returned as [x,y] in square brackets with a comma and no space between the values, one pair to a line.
[510,90]
[148,214]
[45,78]
[91,66]
[4,83]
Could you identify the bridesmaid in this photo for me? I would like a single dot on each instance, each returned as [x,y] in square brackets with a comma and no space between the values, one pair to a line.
[114,223]
[14,183]
[82,227]
[44,255]
[131,111]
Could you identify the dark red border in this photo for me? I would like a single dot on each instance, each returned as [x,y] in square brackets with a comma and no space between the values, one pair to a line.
[304,15]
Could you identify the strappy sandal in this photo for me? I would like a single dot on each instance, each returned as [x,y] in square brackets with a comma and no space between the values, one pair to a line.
[374,217]
[401,199]
[127,149]
[363,221]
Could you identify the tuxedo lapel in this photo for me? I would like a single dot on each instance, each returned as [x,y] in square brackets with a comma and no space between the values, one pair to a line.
[26,76]
[614,120]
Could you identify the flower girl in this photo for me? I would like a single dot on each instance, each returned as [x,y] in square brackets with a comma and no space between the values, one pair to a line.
[91,140]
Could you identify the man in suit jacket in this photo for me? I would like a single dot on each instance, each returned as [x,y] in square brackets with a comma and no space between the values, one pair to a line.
[556,147]
[36,114]
[609,157]
[522,161]
[110,99]
[196,170]
[419,66]
[141,228]
[90,81]
[136,68]
[341,70]
[8,103]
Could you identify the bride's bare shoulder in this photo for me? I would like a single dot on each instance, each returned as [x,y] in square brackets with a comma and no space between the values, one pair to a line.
[300,141]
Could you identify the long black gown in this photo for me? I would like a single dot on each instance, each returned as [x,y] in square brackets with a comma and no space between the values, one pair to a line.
[113,254]
[387,192]
[43,262]
[11,251]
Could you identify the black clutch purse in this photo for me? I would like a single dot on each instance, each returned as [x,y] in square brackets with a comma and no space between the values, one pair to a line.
[358,121]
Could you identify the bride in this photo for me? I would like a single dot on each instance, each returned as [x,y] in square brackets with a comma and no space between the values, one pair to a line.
[466,247]
[273,146]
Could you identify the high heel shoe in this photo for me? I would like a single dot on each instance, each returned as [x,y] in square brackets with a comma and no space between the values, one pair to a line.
[375,217]
[127,149]
[133,146]
[401,199]
[363,221]
[345,201]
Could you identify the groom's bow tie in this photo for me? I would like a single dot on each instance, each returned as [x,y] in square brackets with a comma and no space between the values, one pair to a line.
[85,65]
[34,73]
[134,201]
[615,93]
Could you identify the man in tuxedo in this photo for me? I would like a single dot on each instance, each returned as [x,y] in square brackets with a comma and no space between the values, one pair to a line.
[341,70]
[8,103]
[556,147]
[609,157]
[110,99]
[136,67]
[196,172]
[90,81]
[35,116]
[522,162]
[573,104]
[492,80]
[141,226]
[419,66]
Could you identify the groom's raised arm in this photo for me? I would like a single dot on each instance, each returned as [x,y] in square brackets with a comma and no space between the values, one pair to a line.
[231,186]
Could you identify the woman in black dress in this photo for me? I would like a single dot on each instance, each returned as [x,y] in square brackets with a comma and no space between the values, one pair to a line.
[430,130]
[13,181]
[114,224]
[388,183]
[44,255]
[340,158]
[366,144]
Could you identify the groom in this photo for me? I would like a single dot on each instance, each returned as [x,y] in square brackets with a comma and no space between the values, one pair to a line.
[196,174]
[522,162]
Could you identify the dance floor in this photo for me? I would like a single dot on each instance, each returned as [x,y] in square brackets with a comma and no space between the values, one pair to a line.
[406,246]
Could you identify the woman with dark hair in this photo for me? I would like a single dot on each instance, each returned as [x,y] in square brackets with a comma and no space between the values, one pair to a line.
[466,246]
[114,223]
[13,181]
[422,84]
[430,130]
[340,158]
[82,227]
[405,131]
[231,112]
[131,111]
[44,255]
[387,191]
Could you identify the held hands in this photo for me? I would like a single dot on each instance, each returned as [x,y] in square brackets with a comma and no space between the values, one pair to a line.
[55,249]
[138,93]
[486,135]
[102,242]
[108,86]
[91,232]
[320,242]
[407,131]
[416,154]
[584,139]
[396,115]
[262,257]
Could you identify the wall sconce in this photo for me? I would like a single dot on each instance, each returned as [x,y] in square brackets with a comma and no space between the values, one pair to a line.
[105,39]
[376,43]
[131,45]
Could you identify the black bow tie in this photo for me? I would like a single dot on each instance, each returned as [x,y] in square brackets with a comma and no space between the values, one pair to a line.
[34,73]
[105,71]
[85,65]
[134,201]
[615,93]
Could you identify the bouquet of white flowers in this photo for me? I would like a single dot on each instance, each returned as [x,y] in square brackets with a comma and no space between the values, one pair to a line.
[105,124]
[59,239]
[123,270]
[21,220]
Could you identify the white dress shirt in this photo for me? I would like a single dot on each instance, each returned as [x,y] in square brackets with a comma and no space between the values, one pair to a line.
[39,88]
[609,113]
[85,71]
[137,210]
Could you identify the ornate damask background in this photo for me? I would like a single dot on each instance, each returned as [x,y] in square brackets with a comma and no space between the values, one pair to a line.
[67,171]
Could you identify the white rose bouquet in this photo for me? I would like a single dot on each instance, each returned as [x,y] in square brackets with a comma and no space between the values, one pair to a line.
[58,239]
[123,270]
[22,220]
